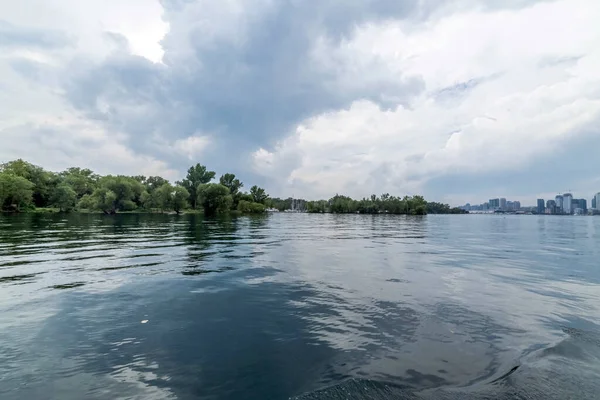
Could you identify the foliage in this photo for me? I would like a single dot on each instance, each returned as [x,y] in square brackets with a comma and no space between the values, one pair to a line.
[196,176]
[440,208]
[26,186]
[64,197]
[319,206]
[82,181]
[258,194]
[214,198]
[16,192]
[234,185]
[43,181]
[179,199]
[248,207]
[385,204]
[152,183]
[117,193]
[230,182]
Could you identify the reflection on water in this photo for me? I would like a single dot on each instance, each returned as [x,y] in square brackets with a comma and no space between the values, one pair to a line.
[315,306]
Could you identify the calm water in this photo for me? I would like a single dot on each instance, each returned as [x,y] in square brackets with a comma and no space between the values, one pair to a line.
[381,307]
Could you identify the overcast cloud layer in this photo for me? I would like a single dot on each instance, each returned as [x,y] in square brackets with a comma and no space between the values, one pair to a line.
[459,100]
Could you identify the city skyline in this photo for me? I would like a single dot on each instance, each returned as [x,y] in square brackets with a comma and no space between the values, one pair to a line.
[562,203]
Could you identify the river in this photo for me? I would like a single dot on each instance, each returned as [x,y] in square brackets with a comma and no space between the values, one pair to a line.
[297,305]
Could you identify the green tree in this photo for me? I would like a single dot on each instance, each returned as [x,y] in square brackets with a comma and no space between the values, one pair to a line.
[149,200]
[234,185]
[164,196]
[86,202]
[104,199]
[196,176]
[16,192]
[43,181]
[83,181]
[230,182]
[258,194]
[214,198]
[117,193]
[64,197]
[179,201]
[154,182]
[248,207]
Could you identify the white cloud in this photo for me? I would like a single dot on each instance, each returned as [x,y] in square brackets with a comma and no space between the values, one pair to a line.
[502,88]
[191,147]
[60,143]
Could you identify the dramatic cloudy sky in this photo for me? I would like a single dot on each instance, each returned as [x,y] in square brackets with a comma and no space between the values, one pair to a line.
[459,100]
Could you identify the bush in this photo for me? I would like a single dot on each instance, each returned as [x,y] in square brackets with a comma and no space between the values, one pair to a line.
[249,207]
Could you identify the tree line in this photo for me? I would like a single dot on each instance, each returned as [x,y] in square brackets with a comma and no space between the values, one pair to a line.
[384,204]
[24,187]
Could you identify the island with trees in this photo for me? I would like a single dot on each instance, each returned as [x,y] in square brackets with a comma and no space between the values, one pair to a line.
[25,187]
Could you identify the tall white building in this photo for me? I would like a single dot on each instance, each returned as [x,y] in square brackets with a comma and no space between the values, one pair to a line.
[559,204]
[597,201]
[568,203]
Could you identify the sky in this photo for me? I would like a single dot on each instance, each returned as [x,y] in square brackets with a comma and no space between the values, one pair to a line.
[457,100]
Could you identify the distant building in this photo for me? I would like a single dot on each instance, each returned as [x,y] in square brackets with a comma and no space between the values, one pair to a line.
[581,204]
[568,203]
[517,205]
[594,206]
[559,204]
[541,208]
[503,203]
[551,207]
[597,198]
[494,204]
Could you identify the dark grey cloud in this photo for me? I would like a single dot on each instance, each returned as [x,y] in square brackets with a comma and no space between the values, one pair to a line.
[12,36]
[249,86]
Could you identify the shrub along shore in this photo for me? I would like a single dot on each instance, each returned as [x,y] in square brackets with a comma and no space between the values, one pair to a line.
[25,187]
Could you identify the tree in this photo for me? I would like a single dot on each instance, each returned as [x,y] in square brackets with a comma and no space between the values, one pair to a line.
[258,194]
[230,182]
[180,198]
[117,193]
[43,181]
[83,181]
[214,198]
[248,207]
[163,196]
[234,185]
[154,182]
[196,175]
[64,198]
[16,192]
[104,199]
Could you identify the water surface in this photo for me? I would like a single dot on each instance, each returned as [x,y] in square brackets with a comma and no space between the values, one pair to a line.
[315,306]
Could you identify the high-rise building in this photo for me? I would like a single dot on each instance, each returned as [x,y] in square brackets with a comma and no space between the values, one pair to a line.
[551,206]
[568,203]
[594,204]
[559,204]
[541,208]
[579,206]
[494,204]
[597,197]
[517,205]
[503,203]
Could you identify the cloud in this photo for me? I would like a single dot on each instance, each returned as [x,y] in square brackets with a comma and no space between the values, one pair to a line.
[21,37]
[493,104]
[312,98]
